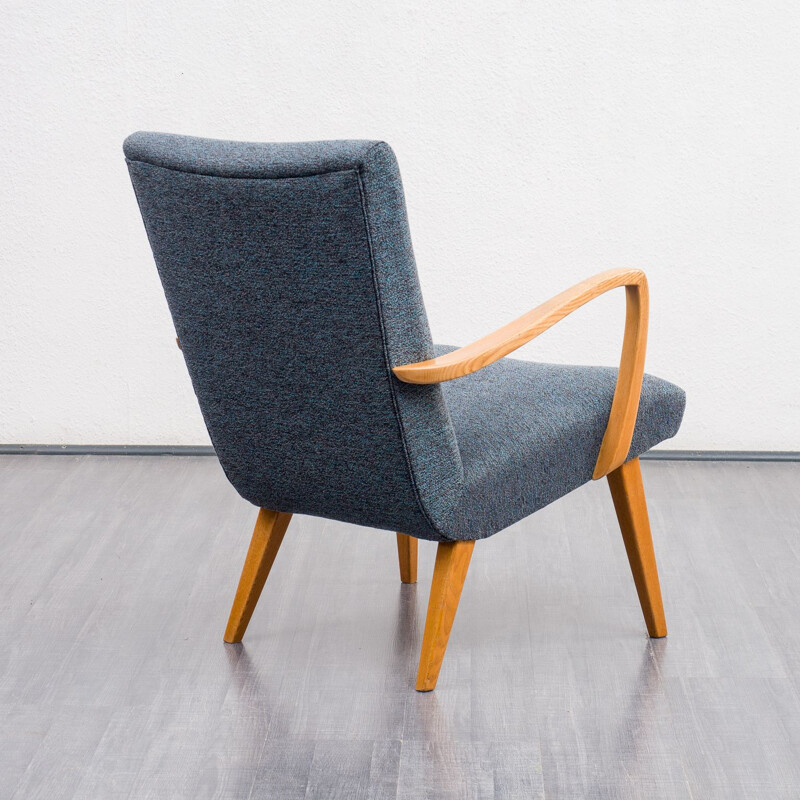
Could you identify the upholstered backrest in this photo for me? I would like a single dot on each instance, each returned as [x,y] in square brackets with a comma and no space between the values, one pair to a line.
[290,277]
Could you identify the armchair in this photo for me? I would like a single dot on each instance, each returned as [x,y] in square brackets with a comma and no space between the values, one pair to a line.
[290,277]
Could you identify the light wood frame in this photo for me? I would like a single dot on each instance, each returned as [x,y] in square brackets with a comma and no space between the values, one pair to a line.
[627,492]
[407,556]
[453,558]
[267,538]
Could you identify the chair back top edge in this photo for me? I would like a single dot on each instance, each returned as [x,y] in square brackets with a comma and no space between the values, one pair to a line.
[231,159]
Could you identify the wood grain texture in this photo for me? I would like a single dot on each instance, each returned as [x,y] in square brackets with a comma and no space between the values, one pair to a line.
[407,555]
[627,491]
[487,350]
[627,392]
[267,537]
[449,572]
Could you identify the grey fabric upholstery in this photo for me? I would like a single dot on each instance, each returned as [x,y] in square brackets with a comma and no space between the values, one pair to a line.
[290,277]
[529,433]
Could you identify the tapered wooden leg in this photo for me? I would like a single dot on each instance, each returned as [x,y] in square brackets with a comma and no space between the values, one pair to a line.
[628,494]
[407,553]
[452,562]
[267,538]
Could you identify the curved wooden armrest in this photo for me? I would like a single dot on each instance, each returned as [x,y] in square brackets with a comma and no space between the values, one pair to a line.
[485,351]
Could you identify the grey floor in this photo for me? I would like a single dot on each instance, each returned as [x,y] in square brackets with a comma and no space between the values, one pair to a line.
[116,576]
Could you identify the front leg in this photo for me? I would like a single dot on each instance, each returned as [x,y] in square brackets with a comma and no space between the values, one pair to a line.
[452,562]
[627,492]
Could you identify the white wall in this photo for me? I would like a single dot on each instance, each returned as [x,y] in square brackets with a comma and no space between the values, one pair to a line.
[539,142]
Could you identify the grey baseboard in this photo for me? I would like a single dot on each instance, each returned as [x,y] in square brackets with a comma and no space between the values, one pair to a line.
[206,450]
[106,450]
[722,455]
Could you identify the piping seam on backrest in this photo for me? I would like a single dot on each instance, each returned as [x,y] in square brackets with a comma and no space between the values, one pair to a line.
[387,363]
[354,168]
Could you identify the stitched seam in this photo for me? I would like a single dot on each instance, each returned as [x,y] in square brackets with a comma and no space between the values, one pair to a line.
[245,177]
[390,374]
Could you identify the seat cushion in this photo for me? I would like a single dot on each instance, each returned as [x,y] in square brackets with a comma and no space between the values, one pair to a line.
[529,433]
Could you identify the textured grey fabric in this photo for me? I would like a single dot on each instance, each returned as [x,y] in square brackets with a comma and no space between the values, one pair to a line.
[529,433]
[245,159]
[290,276]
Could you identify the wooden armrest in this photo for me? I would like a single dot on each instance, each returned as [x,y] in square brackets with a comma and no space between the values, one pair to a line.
[485,351]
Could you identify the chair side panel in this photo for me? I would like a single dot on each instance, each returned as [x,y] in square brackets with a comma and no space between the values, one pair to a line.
[428,430]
